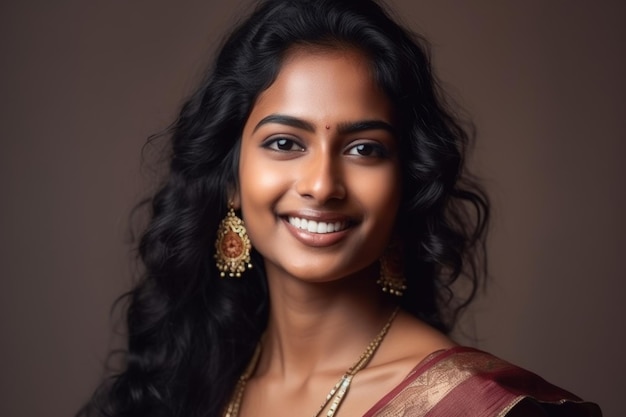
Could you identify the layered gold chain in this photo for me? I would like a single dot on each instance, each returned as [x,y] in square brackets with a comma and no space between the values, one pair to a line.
[337,392]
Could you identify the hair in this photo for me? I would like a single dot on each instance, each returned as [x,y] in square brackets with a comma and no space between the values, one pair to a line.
[190,333]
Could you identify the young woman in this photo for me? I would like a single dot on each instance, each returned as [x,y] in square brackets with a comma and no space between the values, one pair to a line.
[301,253]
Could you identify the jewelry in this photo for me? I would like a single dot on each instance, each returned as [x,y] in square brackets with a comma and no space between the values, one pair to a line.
[235,401]
[392,278]
[337,393]
[232,247]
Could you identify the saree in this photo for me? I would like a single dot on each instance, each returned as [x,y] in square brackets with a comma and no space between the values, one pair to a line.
[463,381]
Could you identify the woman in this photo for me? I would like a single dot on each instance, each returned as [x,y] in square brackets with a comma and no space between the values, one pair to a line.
[316,214]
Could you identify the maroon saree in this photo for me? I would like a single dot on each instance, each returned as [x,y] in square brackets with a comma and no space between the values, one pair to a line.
[467,382]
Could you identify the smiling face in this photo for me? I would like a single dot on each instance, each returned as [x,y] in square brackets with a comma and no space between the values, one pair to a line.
[319,177]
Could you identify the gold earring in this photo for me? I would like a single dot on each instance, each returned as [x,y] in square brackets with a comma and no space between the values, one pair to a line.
[392,278]
[232,247]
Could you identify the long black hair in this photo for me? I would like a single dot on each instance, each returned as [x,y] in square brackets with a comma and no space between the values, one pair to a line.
[190,333]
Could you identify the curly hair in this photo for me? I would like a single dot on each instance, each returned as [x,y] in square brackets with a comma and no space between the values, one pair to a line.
[190,333]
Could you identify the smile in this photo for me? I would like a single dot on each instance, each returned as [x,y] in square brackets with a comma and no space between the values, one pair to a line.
[313,226]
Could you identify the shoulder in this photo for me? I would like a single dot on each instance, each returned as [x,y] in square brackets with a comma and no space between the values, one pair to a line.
[469,382]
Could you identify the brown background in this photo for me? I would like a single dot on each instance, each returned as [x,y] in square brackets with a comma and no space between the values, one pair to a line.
[84,83]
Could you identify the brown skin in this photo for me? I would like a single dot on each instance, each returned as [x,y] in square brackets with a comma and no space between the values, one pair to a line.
[325,305]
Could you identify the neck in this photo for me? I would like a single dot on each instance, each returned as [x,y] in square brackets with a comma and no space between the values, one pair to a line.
[316,328]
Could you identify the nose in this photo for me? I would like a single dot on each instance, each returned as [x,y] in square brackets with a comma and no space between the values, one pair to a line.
[321,178]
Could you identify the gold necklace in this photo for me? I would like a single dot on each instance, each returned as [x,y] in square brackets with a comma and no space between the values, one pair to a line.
[338,392]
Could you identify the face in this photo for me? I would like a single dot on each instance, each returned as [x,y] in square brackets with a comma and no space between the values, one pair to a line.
[319,175]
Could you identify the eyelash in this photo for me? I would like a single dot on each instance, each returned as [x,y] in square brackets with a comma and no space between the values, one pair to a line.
[275,143]
[376,150]
[373,149]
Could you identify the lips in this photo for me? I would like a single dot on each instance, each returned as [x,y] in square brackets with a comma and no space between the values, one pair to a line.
[319,227]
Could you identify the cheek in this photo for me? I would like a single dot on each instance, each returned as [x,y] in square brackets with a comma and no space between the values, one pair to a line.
[260,188]
[380,194]
[256,179]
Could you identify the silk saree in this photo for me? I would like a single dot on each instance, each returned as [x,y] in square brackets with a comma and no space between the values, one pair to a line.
[464,381]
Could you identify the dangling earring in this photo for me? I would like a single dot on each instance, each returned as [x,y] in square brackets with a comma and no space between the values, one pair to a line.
[392,278]
[232,247]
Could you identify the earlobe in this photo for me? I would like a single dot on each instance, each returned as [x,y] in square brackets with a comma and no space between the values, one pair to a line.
[234,199]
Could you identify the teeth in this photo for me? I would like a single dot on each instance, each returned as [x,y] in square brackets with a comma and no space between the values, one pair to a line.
[316,227]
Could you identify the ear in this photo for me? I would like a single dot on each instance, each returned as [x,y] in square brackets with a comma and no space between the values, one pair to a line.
[234,198]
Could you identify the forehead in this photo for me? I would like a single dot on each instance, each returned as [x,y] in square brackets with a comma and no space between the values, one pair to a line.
[318,83]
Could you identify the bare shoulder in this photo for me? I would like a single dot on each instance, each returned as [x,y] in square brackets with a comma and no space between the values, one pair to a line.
[412,340]
[408,343]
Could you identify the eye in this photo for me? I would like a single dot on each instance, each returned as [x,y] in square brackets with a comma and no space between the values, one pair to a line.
[368,149]
[283,144]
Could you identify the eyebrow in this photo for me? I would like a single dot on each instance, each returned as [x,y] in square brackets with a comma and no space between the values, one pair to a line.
[282,119]
[342,128]
[363,125]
